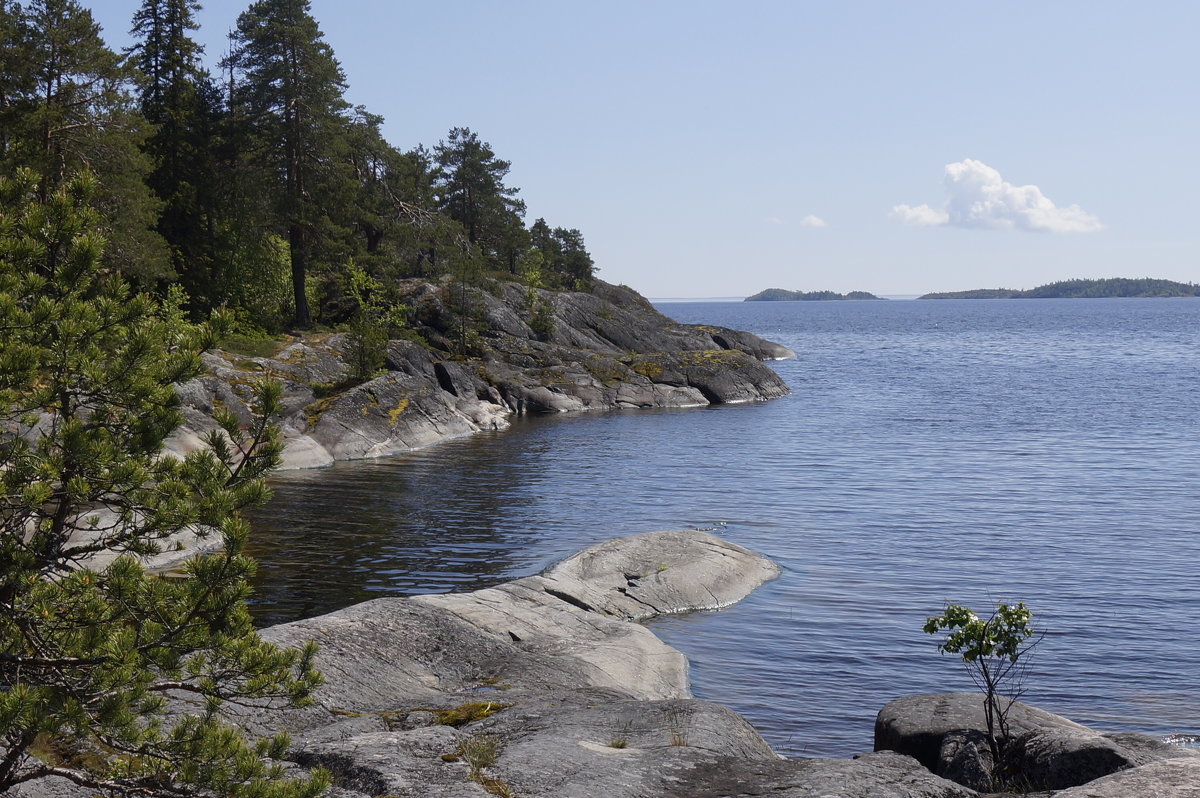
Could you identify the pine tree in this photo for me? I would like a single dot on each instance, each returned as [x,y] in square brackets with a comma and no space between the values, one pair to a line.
[70,107]
[291,91]
[574,265]
[472,192]
[565,262]
[179,100]
[91,652]
[16,75]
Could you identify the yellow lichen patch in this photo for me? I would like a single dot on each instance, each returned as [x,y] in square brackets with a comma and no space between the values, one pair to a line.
[313,411]
[458,716]
[650,369]
[395,412]
[468,713]
[606,370]
[728,358]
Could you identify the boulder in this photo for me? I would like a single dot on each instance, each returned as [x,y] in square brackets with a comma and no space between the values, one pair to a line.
[917,724]
[965,757]
[945,731]
[1167,778]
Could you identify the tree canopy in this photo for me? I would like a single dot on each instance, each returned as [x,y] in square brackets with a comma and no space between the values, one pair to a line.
[254,190]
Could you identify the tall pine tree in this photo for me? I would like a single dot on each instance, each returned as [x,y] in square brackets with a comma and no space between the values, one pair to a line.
[290,89]
[179,100]
[91,653]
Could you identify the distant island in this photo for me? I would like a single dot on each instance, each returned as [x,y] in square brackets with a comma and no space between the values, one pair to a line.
[782,295]
[1081,289]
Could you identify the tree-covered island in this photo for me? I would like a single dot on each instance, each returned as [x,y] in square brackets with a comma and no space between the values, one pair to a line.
[783,295]
[1081,289]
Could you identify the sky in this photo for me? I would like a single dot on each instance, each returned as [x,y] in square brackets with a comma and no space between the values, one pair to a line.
[714,149]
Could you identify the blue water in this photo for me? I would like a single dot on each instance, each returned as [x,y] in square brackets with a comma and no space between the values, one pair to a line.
[933,451]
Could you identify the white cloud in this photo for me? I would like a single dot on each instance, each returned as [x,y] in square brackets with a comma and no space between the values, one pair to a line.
[813,221]
[774,220]
[921,215]
[979,197]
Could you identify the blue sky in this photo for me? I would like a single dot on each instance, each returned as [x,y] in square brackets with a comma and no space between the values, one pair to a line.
[711,149]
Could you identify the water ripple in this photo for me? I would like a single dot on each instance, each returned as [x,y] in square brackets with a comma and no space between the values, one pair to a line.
[932,451]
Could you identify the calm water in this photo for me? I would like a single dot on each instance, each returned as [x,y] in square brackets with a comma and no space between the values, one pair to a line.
[966,451]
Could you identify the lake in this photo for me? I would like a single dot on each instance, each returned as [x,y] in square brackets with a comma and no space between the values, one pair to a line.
[964,451]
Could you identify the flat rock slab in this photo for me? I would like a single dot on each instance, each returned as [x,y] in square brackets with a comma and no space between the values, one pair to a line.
[567,629]
[580,699]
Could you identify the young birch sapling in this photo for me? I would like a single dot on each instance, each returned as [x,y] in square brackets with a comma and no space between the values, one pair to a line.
[992,649]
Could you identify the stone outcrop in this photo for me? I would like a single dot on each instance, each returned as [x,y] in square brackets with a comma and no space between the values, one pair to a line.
[1044,751]
[547,687]
[608,348]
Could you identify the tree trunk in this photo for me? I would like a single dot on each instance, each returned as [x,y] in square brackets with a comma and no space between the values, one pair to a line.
[303,318]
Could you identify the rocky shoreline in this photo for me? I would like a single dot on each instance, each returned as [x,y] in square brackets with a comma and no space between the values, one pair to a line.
[573,698]
[608,348]
[548,687]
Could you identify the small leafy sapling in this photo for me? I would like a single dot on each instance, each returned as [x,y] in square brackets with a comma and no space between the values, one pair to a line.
[992,648]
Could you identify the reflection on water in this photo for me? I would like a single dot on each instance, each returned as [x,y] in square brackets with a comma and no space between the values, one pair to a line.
[422,523]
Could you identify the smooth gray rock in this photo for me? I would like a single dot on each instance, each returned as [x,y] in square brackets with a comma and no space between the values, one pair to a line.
[877,775]
[1167,778]
[585,701]
[966,758]
[1045,751]
[576,743]
[1056,759]
[916,725]
[566,629]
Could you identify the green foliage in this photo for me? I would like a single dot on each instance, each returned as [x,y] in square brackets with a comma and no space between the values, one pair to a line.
[290,93]
[178,98]
[541,315]
[563,258]
[92,647]
[470,190]
[998,637]
[374,319]
[991,648]
[67,106]
[258,285]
